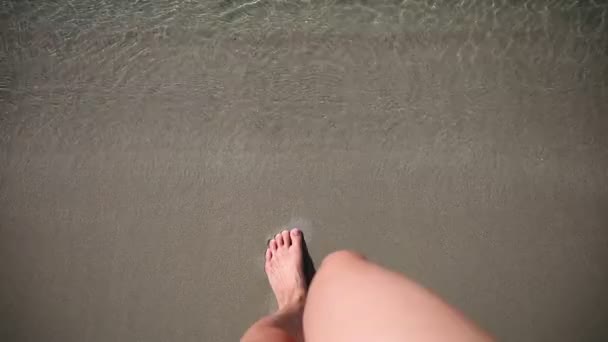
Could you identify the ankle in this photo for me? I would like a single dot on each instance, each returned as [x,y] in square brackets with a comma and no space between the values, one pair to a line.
[295,301]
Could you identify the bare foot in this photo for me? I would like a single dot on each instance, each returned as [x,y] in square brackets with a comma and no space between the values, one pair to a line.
[284,267]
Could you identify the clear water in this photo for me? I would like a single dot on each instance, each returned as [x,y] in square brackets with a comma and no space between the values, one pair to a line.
[263,67]
[138,138]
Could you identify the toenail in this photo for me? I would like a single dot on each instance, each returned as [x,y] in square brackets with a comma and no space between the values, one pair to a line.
[295,231]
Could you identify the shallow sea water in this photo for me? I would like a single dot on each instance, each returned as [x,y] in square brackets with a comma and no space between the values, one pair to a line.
[148,148]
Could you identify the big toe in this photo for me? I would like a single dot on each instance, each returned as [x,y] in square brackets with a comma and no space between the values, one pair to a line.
[296,237]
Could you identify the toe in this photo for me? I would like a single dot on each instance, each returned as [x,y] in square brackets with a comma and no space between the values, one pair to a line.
[286,238]
[279,239]
[296,236]
[268,254]
[273,245]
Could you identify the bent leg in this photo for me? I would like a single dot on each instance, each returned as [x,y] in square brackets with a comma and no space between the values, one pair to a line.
[282,326]
[352,299]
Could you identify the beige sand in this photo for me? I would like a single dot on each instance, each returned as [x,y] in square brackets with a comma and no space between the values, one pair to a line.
[140,177]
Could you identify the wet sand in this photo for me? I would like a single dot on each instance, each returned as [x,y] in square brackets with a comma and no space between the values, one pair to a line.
[144,165]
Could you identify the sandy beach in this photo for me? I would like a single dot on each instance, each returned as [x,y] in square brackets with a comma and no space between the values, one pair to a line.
[148,151]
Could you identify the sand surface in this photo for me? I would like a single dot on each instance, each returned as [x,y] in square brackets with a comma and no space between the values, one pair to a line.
[149,149]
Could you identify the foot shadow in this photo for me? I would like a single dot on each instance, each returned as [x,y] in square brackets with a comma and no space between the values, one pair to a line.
[309,264]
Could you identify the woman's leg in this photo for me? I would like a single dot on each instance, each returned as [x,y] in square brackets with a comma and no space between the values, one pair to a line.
[284,267]
[352,299]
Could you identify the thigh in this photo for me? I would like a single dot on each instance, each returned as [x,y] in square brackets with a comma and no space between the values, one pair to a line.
[352,299]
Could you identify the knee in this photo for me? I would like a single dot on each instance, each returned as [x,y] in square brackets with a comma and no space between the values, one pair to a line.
[338,270]
[341,257]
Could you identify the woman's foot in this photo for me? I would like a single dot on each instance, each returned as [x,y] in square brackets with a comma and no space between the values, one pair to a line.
[284,267]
